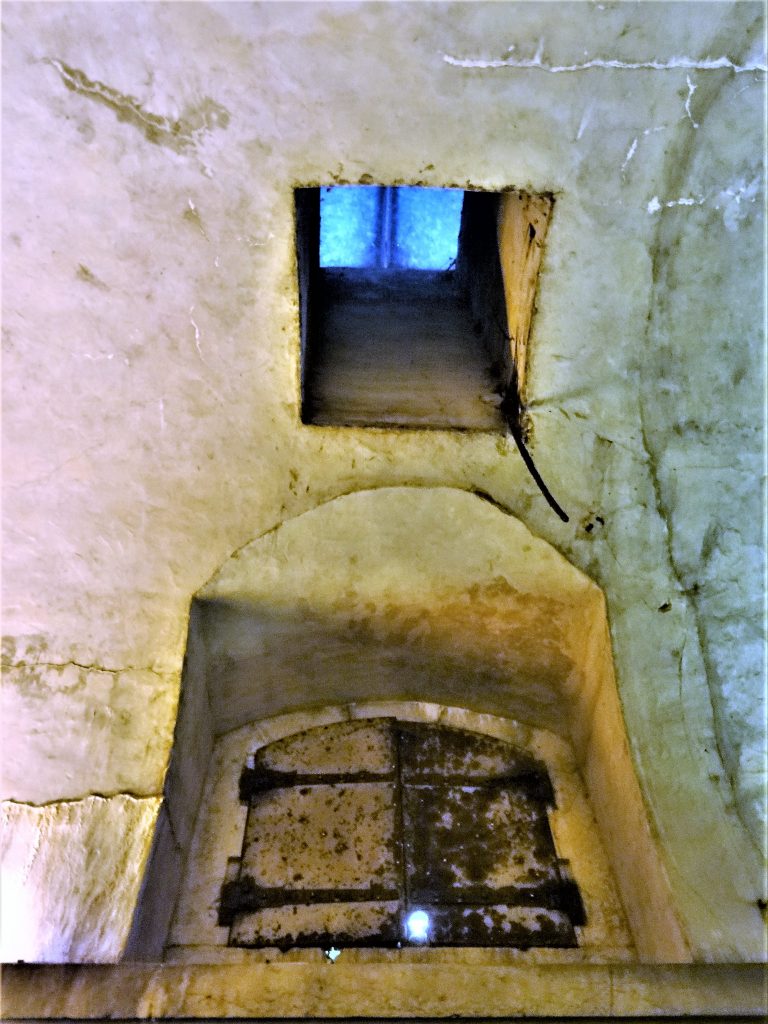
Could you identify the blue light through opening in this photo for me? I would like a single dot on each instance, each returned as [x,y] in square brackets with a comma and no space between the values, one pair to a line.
[376,226]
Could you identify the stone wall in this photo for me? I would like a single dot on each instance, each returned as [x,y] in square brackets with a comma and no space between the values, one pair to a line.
[151,380]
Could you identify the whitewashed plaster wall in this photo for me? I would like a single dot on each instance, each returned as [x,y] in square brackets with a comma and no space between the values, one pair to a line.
[150,376]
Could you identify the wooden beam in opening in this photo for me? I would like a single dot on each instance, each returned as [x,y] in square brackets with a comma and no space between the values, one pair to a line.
[522,227]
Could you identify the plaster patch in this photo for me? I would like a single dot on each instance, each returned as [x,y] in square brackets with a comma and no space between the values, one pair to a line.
[192,216]
[586,117]
[196,329]
[655,204]
[630,153]
[734,198]
[691,90]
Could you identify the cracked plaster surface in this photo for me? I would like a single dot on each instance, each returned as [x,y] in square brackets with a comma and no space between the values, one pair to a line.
[87,728]
[69,869]
[177,134]
[707,451]
[150,384]
[674,64]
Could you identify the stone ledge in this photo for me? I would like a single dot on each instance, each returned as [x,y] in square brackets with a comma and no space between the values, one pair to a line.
[280,991]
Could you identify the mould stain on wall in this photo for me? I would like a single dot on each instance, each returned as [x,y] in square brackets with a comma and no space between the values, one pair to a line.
[177,134]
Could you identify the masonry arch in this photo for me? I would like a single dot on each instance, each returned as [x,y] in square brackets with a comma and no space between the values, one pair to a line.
[422,597]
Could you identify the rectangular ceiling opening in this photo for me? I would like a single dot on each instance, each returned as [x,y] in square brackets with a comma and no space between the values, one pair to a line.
[415,304]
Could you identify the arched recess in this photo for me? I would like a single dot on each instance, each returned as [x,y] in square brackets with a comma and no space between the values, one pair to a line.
[423,595]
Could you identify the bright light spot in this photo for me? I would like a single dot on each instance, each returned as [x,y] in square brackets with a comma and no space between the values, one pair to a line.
[418,926]
[332,954]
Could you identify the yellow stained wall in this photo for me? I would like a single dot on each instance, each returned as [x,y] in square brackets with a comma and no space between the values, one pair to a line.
[151,381]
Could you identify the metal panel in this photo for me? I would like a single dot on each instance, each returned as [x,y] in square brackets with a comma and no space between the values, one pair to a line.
[333,837]
[319,924]
[471,844]
[427,751]
[353,827]
[498,925]
[344,748]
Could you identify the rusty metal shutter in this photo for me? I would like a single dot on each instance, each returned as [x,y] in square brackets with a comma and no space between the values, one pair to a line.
[353,827]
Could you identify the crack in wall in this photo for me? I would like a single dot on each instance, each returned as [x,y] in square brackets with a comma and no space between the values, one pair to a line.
[656,204]
[177,134]
[673,64]
[687,595]
[678,165]
[107,795]
[691,90]
[9,665]
[44,477]
[630,153]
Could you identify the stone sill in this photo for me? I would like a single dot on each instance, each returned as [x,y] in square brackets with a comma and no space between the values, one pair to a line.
[280,991]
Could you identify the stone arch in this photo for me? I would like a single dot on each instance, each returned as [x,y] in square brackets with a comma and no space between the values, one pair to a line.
[604,935]
[423,595]
[434,589]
